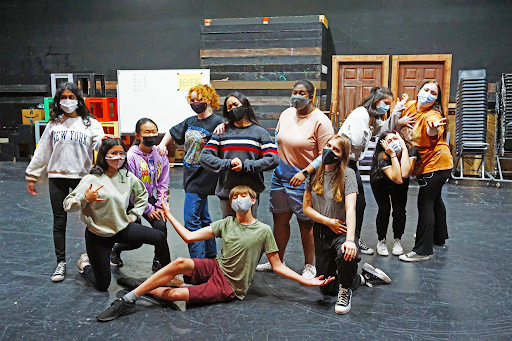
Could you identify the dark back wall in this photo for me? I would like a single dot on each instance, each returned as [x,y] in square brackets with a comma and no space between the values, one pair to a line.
[41,37]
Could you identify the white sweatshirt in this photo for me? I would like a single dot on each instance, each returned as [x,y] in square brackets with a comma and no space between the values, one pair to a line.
[65,149]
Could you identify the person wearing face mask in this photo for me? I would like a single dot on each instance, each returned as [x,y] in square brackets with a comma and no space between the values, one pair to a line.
[330,201]
[301,134]
[393,163]
[144,161]
[240,154]
[360,126]
[432,170]
[102,197]
[198,182]
[64,154]
[244,240]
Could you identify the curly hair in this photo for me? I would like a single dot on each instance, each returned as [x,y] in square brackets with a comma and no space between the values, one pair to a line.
[205,93]
[82,110]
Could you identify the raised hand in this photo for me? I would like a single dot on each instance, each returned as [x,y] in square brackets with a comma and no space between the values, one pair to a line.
[401,140]
[337,226]
[387,148]
[405,97]
[408,120]
[165,204]
[436,124]
[236,164]
[92,195]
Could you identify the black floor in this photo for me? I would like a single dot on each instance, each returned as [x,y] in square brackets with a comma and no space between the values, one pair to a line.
[463,293]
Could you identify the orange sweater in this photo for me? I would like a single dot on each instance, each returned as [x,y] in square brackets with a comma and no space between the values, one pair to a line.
[434,151]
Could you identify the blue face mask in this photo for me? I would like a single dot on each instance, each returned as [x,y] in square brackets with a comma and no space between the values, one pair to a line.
[382,109]
[241,204]
[426,98]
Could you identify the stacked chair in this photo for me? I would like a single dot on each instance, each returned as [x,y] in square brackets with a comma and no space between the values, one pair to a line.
[503,150]
[471,123]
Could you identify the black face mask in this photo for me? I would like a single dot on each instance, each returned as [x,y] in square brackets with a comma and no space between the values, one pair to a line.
[236,114]
[328,157]
[149,141]
[199,107]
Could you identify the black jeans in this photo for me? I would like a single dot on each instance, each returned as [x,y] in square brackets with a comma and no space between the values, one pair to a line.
[99,249]
[59,190]
[156,224]
[432,228]
[383,190]
[329,260]
[361,202]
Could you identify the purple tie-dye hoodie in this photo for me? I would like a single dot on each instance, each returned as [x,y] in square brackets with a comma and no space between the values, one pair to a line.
[153,170]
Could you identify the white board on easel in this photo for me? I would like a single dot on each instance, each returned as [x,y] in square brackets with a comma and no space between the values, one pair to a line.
[160,95]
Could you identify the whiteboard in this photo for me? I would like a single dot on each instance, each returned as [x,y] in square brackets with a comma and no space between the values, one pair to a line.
[160,95]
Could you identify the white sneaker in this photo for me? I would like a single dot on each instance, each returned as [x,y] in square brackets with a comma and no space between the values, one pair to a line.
[413,257]
[309,271]
[265,267]
[397,247]
[83,261]
[382,248]
[60,272]
[363,248]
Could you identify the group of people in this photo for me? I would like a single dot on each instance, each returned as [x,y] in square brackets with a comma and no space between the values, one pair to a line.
[315,177]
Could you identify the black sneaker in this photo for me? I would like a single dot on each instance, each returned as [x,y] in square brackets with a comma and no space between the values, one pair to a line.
[115,259]
[363,248]
[156,266]
[117,309]
[343,304]
[372,275]
[129,282]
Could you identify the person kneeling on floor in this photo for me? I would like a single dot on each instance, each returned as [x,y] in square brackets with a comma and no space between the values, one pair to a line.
[244,239]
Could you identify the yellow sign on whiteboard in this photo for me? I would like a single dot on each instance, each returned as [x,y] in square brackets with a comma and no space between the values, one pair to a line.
[188,80]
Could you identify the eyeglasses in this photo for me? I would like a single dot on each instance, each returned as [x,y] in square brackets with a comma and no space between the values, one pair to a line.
[116,153]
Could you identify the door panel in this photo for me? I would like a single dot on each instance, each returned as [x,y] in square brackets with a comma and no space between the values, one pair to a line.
[412,75]
[355,82]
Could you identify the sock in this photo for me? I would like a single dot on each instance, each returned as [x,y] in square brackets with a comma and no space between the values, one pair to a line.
[363,281]
[130,297]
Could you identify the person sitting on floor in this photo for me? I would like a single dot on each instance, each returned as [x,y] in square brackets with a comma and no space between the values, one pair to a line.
[244,239]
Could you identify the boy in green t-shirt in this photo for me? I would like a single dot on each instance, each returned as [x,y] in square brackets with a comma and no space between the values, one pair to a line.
[244,240]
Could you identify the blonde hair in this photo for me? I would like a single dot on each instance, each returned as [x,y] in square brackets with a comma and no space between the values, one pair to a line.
[241,189]
[205,93]
[338,180]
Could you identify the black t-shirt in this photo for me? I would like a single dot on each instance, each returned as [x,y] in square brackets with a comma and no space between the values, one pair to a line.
[384,161]
[195,134]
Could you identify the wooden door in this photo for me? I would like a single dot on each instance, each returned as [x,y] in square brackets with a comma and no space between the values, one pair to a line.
[412,75]
[353,78]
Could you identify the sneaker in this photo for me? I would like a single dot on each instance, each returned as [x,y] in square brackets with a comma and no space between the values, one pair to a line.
[413,257]
[365,249]
[397,247]
[156,266]
[373,276]
[343,304]
[176,282]
[265,267]
[115,259]
[382,248]
[83,261]
[60,272]
[309,271]
[118,308]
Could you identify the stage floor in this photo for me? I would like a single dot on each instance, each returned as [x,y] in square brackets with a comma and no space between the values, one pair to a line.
[463,293]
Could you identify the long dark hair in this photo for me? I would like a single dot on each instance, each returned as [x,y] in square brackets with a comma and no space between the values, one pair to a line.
[377,94]
[101,165]
[82,110]
[137,128]
[376,173]
[249,114]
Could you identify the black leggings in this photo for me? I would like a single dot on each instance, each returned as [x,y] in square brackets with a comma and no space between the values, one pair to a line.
[59,190]
[329,260]
[99,249]
[158,224]
[383,190]
[432,228]
[361,202]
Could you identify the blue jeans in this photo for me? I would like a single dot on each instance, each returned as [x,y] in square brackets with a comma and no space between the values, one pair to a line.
[196,216]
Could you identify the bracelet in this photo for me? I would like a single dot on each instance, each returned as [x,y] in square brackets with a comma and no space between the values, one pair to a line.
[348,240]
[394,156]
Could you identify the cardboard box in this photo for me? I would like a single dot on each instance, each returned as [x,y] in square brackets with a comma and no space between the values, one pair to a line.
[180,154]
[32,115]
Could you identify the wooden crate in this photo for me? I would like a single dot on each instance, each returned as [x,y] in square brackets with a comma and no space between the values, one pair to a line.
[263,57]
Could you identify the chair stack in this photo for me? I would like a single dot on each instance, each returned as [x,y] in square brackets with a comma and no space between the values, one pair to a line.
[471,117]
[504,114]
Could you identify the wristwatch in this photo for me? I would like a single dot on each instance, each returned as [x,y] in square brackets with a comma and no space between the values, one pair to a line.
[305,172]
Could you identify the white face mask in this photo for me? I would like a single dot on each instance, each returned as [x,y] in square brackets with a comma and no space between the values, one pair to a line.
[241,204]
[69,105]
[116,161]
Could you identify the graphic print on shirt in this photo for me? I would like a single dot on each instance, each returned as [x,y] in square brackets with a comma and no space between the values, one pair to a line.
[195,140]
[69,135]
[148,172]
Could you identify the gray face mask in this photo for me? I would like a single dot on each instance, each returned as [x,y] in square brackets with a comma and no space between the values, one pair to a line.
[241,204]
[298,101]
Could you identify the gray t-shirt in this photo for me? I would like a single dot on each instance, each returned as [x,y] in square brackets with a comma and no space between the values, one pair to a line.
[325,203]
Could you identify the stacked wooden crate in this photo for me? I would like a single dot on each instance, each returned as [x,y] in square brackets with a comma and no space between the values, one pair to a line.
[263,57]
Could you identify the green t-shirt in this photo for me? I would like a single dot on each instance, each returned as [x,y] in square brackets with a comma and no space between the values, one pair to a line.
[242,248]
